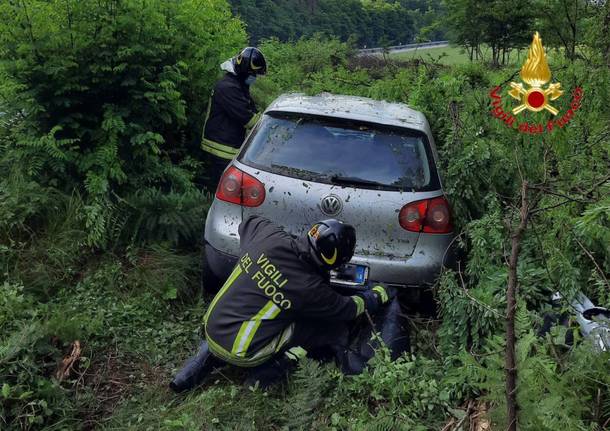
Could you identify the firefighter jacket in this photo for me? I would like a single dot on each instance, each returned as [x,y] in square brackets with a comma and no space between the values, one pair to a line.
[231,112]
[273,285]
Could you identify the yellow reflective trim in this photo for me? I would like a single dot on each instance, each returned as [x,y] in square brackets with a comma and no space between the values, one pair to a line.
[207,114]
[217,153]
[270,314]
[284,337]
[259,357]
[236,273]
[220,150]
[253,121]
[249,327]
[253,66]
[226,356]
[296,353]
[383,295]
[245,326]
[359,304]
[330,261]
[220,147]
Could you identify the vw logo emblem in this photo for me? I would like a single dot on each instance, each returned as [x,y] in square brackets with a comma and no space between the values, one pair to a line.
[331,205]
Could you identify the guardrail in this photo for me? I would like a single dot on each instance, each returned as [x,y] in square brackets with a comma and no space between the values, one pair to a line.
[401,47]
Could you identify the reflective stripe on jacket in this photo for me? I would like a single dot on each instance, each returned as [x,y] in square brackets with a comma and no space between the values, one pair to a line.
[220,150]
[230,112]
[272,287]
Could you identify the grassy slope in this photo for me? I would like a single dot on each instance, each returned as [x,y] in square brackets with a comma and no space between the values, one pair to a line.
[454,55]
[151,356]
[147,336]
[446,55]
[138,318]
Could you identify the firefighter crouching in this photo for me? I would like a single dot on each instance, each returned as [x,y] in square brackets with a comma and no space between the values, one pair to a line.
[277,304]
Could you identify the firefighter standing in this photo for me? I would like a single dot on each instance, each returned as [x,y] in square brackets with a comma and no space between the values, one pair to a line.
[231,111]
[277,304]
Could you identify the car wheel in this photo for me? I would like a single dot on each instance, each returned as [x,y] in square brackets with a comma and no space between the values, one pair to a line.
[210,284]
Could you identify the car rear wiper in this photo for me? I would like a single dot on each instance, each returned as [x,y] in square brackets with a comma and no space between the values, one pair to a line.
[355,181]
[300,173]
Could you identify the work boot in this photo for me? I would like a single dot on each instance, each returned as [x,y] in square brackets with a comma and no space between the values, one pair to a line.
[195,369]
[275,370]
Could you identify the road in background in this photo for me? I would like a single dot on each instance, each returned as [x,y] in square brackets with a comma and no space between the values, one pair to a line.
[403,48]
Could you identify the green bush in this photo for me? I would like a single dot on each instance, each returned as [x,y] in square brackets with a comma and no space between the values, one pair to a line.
[482,163]
[101,109]
[293,65]
[140,190]
[136,303]
[28,399]
[405,394]
[108,97]
[141,306]
[45,246]
[560,388]
[372,23]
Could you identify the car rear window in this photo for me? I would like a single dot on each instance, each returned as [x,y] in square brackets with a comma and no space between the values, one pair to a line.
[342,152]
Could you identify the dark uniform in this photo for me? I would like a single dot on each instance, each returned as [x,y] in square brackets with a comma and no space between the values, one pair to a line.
[231,112]
[275,298]
[277,306]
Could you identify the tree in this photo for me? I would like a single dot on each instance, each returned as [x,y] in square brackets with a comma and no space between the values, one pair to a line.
[365,20]
[603,42]
[501,25]
[113,92]
[563,22]
[506,25]
[465,22]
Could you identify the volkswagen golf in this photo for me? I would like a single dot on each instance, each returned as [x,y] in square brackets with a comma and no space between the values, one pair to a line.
[369,163]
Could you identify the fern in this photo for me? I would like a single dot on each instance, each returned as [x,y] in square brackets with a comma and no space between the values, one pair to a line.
[547,398]
[308,388]
[174,217]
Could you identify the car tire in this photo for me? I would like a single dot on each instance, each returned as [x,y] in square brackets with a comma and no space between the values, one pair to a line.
[210,284]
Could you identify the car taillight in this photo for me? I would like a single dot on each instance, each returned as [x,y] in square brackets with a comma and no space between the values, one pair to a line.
[240,188]
[429,216]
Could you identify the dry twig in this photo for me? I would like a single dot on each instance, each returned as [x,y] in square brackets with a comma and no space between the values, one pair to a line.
[68,362]
[472,298]
[590,255]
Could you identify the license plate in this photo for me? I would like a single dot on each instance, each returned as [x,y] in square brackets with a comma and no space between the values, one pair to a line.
[350,274]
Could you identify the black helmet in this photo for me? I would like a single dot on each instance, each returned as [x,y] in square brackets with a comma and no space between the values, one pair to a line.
[333,242]
[250,61]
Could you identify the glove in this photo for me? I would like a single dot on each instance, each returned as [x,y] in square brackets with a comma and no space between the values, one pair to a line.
[385,293]
[371,301]
[377,296]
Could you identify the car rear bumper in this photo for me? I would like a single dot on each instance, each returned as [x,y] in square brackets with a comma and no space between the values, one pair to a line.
[419,270]
[220,263]
[422,268]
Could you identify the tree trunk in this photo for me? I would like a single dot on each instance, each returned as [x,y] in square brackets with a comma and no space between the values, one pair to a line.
[511,306]
[574,28]
[313,5]
[570,43]
[605,34]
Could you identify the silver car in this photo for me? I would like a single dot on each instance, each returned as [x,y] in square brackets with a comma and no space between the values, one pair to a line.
[368,163]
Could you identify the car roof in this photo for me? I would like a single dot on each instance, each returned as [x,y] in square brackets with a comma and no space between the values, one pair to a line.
[352,108]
